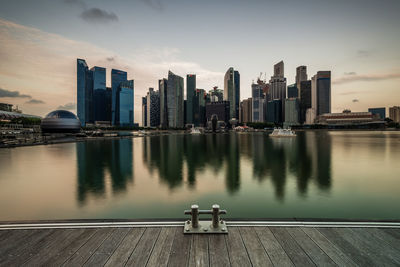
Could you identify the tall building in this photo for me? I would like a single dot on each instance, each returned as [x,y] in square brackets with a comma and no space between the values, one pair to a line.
[246,110]
[216,95]
[153,108]
[99,94]
[292,91]
[381,112]
[144,111]
[321,92]
[232,91]
[221,109]
[258,105]
[117,76]
[84,92]
[162,89]
[124,111]
[305,99]
[274,111]
[291,112]
[394,114]
[190,91]
[175,100]
[301,75]
[277,84]
[199,107]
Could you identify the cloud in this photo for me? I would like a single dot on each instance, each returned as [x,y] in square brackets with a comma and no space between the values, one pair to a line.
[97,15]
[355,100]
[7,93]
[68,106]
[350,73]
[363,53]
[154,4]
[366,78]
[35,101]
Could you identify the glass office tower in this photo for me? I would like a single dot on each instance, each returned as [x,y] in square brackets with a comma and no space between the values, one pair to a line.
[190,91]
[99,94]
[82,73]
[232,91]
[175,100]
[125,107]
[117,76]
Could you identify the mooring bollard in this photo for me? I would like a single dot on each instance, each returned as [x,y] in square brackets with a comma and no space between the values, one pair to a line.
[213,227]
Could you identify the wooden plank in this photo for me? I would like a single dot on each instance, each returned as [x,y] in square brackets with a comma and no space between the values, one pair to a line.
[257,254]
[59,241]
[313,251]
[394,232]
[8,248]
[358,256]
[84,252]
[218,251]
[379,245]
[125,249]
[360,244]
[106,249]
[199,251]
[70,249]
[12,236]
[141,254]
[22,253]
[159,256]
[292,249]
[386,236]
[180,249]
[237,252]
[274,250]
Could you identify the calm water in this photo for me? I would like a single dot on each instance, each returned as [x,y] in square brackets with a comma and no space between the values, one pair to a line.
[318,174]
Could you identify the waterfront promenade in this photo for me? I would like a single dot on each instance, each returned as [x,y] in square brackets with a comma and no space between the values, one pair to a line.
[114,244]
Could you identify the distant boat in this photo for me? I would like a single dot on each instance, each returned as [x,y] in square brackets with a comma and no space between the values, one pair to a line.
[279,132]
[195,131]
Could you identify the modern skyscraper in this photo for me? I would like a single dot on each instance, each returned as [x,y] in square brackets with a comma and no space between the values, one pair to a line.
[321,92]
[216,95]
[175,100]
[246,110]
[162,88]
[291,112]
[117,76]
[277,84]
[99,94]
[199,107]
[274,111]
[301,75]
[84,92]
[232,91]
[305,99]
[153,108]
[292,91]
[124,112]
[221,109]
[258,104]
[381,112]
[394,114]
[144,111]
[190,91]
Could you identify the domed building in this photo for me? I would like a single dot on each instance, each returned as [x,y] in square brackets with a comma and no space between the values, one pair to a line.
[60,121]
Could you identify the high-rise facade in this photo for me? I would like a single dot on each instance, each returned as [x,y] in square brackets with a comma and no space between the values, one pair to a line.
[117,76]
[246,110]
[301,75]
[153,108]
[292,91]
[321,92]
[175,100]
[162,89]
[305,99]
[232,91]
[199,107]
[99,94]
[258,105]
[144,111]
[216,95]
[125,105]
[277,84]
[274,111]
[291,112]
[190,91]
[84,92]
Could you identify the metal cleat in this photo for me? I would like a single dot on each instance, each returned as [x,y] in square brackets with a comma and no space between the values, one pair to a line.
[215,226]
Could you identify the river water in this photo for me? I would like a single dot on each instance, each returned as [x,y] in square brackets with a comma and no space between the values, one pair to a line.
[318,174]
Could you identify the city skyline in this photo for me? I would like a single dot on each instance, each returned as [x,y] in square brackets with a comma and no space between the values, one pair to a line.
[38,50]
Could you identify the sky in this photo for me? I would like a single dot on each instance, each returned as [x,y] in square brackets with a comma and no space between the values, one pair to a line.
[358,41]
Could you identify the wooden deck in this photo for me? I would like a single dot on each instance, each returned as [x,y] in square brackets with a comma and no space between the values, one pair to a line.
[168,246]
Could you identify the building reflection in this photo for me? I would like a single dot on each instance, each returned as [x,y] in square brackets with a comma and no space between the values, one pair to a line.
[307,158]
[100,159]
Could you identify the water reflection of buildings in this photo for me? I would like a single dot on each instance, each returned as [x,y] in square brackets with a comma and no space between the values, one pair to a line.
[95,159]
[306,157]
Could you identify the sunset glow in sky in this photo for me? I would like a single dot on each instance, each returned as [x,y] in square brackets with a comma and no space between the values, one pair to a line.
[40,41]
